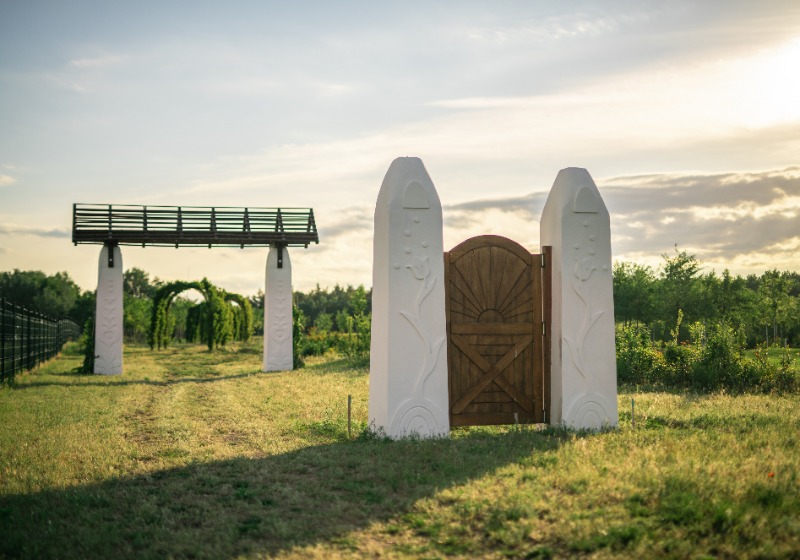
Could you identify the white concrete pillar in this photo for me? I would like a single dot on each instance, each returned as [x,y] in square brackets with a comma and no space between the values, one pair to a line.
[408,358]
[575,222]
[278,312]
[108,313]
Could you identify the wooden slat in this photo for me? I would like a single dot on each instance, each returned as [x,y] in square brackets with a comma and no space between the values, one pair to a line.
[496,344]
[538,356]
[547,313]
[492,328]
[492,373]
[490,419]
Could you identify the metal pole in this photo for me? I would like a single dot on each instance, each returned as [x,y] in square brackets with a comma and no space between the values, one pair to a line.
[2,340]
[28,349]
[13,341]
[349,408]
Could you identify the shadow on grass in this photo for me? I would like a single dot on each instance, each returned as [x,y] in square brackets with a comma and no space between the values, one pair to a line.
[107,381]
[263,506]
[197,364]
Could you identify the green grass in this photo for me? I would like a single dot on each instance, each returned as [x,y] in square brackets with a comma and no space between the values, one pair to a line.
[193,454]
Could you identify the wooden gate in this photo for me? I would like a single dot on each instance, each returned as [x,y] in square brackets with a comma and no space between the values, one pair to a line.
[498,324]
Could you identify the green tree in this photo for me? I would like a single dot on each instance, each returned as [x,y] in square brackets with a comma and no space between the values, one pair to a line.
[634,299]
[678,288]
[774,289]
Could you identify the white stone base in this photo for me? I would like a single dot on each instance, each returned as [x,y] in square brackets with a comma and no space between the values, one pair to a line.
[408,392]
[575,222]
[278,313]
[109,315]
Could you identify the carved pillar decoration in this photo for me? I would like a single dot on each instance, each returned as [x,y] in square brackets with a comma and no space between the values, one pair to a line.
[408,358]
[278,312]
[108,313]
[575,222]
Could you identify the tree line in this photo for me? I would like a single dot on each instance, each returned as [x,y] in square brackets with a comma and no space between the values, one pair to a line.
[325,319]
[762,308]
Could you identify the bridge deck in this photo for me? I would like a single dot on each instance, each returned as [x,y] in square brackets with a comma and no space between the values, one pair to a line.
[117,224]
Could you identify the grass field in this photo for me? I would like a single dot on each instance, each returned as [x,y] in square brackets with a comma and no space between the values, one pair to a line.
[193,454]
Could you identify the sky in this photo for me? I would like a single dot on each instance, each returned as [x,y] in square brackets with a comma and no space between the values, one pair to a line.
[686,113]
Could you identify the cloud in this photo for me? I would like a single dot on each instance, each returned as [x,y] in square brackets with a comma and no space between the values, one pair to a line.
[742,221]
[35,231]
[6,180]
[97,62]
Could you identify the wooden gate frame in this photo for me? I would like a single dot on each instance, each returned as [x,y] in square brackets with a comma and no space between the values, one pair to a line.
[542,351]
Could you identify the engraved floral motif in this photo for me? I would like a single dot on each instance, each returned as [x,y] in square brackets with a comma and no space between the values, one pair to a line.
[582,272]
[421,270]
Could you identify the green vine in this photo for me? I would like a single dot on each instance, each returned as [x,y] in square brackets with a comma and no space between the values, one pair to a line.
[216,321]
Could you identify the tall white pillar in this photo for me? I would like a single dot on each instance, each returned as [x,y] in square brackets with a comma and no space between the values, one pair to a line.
[575,222]
[408,391]
[108,313]
[278,311]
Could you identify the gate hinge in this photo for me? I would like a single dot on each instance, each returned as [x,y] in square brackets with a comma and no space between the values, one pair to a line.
[544,260]
[544,328]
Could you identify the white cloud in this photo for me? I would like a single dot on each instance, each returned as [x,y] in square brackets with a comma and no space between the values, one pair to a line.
[6,180]
[12,229]
[97,62]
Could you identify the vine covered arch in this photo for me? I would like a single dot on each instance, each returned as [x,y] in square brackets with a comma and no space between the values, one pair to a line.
[223,316]
[216,321]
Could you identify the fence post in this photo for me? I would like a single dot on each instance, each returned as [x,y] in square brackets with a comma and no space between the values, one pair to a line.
[2,340]
[13,340]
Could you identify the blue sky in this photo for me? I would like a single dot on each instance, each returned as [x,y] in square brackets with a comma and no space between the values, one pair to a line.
[685,113]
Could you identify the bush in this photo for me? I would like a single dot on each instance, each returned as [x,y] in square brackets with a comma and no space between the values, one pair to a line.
[87,338]
[638,361]
[713,360]
[721,363]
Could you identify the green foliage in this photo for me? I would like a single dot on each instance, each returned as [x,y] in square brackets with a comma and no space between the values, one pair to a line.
[87,339]
[54,295]
[713,360]
[638,361]
[355,343]
[327,310]
[217,322]
[763,308]
[341,323]
[298,336]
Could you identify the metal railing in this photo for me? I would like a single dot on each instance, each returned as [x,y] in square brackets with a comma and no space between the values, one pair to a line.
[125,224]
[28,338]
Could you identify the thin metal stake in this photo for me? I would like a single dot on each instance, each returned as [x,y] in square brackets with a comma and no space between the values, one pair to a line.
[633,417]
[349,410]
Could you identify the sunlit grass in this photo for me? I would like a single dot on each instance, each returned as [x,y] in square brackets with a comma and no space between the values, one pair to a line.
[199,454]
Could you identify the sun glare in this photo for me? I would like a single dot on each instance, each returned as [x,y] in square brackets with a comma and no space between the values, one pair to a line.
[771,85]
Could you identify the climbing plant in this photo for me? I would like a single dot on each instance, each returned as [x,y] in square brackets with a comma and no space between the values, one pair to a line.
[214,321]
[242,316]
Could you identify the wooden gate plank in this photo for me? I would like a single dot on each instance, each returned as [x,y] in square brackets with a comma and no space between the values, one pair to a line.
[492,373]
[495,294]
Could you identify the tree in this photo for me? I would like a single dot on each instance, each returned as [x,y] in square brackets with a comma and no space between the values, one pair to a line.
[52,295]
[775,291]
[678,288]
[136,283]
[633,293]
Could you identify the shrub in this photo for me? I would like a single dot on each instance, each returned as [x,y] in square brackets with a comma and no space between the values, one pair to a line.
[638,361]
[88,346]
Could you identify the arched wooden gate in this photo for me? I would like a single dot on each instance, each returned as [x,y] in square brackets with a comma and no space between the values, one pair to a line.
[498,322]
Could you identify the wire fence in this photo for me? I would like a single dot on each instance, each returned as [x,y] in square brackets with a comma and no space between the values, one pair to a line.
[28,338]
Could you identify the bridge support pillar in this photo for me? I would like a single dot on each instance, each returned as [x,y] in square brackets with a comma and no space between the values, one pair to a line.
[575,222]
[109,313]
[408,358]
[278,311]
